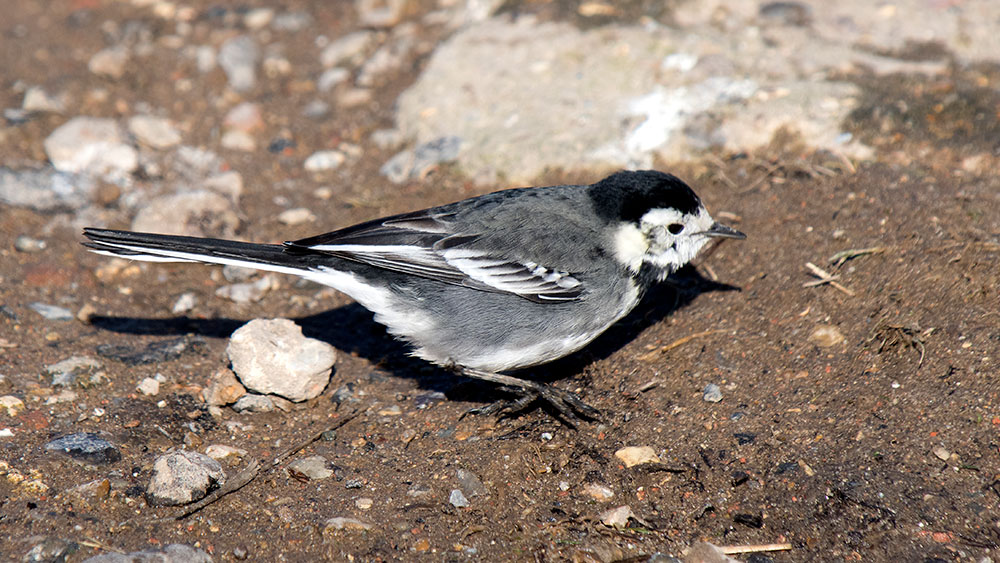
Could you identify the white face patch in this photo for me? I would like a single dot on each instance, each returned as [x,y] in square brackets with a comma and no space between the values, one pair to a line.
[652,242]
[630,246]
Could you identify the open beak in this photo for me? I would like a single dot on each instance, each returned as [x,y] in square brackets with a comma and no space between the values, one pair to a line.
[723,231]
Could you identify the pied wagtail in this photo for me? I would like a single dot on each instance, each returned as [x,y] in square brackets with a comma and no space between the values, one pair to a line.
[494,283]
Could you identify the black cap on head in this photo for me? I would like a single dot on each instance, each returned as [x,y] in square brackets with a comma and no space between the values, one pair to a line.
[628,195]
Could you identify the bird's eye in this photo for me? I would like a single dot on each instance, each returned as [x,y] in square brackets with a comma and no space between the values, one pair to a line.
[675,228]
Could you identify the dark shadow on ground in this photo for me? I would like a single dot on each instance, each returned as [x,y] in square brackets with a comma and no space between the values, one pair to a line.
[351,329]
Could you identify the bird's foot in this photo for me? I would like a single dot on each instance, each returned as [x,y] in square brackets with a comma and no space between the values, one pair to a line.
[567,404]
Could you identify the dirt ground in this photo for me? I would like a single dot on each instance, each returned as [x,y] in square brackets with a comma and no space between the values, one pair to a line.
[884,446]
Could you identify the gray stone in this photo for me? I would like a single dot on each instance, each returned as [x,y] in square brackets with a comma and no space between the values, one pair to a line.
[155,132]
[85,446]
[331,77]
[253,404]
[470,483]
[238,58]
[324,160]
[380,13]
[93,145]
[712,393]
[109,62]
[248,292]
[26,244]
[349,48]
[65,372]
[38,100]
[457,499]
[51,312]
[415,164]
[313,467]
[45,190]
[183,476]
[197,214]
[272,356]
[173,553]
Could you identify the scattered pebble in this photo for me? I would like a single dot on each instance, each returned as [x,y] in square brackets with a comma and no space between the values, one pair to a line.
[238,141]
[50,549]
[314,467]
[380,13]
[253,403]
[85,446]
[51,312]
[221,451]
[11,404]
[238,58]
[826,336]
[708,553]
[331,78]
[185,303]
[364,503]
[296,216]
[148,386]
[941,453]
[258,18]
[349,48]
[45,190]
[247,117]
[92,145]
[316,109]
[109,62]
[711,393]
[457,499]
[272,356]
[38,100]
[223,389]
[64,396]
[248,292]
[345,523]
[198,213]
[419,491]
[636,455]
[65,371]
[324,160]
[155,132]
[183,476]
[617,517]
[417,163]
[173,553]
[236,274]
[469,483]
[598,492]
[24,243]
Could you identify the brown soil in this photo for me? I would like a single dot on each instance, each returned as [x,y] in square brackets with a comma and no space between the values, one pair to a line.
[883,447]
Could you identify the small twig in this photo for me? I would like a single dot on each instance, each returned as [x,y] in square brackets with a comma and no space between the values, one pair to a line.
[253,470]
[845,255]
[652,354]
[760,548]
[825,278]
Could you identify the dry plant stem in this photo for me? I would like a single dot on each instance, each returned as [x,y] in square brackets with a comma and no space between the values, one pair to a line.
[825,278]
[253,469]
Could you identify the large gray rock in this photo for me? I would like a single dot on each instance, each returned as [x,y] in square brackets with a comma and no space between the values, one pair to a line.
[271,356]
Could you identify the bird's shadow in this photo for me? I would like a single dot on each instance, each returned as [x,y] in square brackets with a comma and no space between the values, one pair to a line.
[350,328]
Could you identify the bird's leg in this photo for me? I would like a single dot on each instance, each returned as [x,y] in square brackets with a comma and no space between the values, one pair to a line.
[566,403]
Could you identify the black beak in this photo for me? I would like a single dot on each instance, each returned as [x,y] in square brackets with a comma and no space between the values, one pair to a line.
[723,231]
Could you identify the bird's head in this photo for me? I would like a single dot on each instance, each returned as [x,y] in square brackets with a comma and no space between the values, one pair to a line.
[656,223]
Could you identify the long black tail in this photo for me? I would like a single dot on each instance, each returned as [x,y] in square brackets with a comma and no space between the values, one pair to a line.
[152,247]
